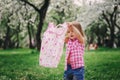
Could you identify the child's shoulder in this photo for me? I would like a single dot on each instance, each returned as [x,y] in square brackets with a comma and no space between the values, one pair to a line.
[79,43]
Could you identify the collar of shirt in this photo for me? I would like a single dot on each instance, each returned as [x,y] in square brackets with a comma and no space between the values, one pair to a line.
[75,39]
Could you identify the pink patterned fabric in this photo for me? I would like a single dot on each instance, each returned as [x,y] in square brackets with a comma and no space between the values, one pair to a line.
[52,45]
[75,51]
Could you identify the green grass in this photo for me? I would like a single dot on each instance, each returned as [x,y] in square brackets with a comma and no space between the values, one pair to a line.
[22,64]
[103,64]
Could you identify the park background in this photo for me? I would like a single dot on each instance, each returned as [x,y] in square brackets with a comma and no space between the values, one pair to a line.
[23,22]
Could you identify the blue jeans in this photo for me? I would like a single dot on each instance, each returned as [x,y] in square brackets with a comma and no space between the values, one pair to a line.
[74,74]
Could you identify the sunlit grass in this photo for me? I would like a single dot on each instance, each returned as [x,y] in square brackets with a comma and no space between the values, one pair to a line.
[22,64]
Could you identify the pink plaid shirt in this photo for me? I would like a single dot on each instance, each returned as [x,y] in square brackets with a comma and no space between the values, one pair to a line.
[75,51]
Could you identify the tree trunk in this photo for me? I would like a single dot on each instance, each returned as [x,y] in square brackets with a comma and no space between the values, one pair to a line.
[30,36]
[38,36]
[17,34]
[112,36]
[99,41]
[7,38]
[42,14]
[112,27]
[111,23]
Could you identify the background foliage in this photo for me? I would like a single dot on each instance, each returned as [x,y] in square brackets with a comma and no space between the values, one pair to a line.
[21,21]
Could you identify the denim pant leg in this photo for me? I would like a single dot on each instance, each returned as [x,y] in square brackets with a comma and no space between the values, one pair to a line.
[78,74]
[68,74]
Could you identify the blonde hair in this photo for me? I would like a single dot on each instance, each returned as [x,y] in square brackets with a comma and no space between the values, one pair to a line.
[78,26]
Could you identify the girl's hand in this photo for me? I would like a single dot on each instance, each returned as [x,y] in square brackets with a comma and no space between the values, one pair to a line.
[78,35]
[66,38]
[59,25]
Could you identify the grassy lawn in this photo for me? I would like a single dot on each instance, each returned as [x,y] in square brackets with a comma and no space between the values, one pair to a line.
[22,64]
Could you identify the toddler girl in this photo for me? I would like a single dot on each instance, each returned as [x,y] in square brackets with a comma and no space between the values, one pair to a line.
[75,43]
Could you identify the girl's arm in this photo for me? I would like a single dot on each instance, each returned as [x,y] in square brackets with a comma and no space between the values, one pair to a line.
[79,35]
[66,39]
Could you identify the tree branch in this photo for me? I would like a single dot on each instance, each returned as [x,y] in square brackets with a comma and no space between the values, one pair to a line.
[30,4]
[117,26]
[55,19]
[45,6]
[115,16]
[105,17]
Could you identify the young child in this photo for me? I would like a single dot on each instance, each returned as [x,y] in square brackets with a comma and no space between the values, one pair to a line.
[75,43]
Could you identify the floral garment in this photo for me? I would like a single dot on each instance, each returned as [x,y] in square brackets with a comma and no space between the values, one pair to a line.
[52,45]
